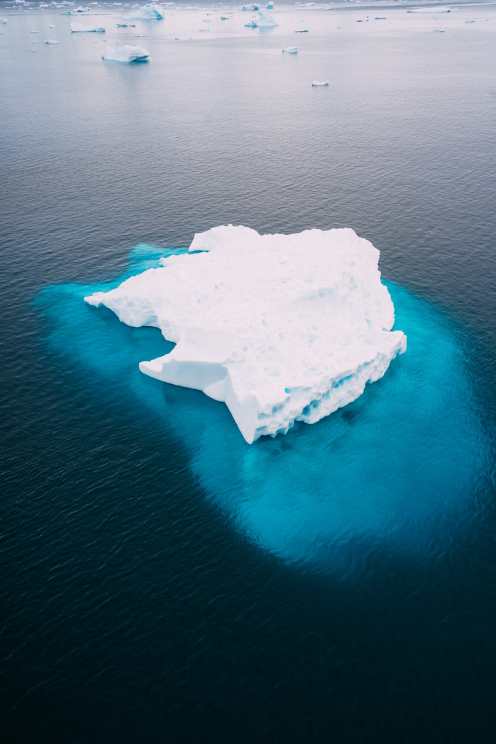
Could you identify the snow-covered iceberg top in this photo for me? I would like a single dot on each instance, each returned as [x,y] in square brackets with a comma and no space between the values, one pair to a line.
[281,328]
[127,54]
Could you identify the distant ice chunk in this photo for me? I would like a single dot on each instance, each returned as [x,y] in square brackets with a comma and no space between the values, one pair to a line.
[3,21]
[290,50]
[87,29]
[320,83]
[127,54]
[250,7]
[269,6]
[281,328]
[51,42]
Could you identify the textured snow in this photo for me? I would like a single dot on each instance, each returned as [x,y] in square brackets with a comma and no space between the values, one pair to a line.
[281,328]
[127,54]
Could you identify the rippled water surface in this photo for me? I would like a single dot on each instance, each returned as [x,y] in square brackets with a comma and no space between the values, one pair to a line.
[161,580]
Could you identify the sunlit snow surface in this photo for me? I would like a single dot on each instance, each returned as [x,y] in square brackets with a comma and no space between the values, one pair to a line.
[281,328]
[394,469]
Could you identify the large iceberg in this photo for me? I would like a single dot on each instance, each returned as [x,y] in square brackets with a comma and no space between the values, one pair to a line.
[126,53]
[281,328]
[266,21]
[148,12]
[87,29]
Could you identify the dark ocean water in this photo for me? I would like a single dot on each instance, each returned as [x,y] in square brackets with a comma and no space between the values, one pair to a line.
[162,581]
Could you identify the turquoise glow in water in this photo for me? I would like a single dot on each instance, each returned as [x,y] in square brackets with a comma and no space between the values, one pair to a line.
[394,470]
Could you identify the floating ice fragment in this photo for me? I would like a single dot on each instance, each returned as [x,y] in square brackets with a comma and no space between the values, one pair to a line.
[320,83]
[51,42]
[281,328]
[290,50]
[251,24]
[127,54]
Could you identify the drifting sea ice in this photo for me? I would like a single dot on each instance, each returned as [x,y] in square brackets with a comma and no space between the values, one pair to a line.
[281,328]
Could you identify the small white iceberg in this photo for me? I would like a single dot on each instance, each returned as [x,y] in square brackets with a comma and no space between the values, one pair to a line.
[127,54]
[3,21]
[51,42]
[290,50]
[250,7]
[320,83]
[87,29]
[251,24]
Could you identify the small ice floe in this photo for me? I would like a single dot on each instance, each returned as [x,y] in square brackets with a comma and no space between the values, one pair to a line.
[224,18]
[127,54]
[290,50]
[251,7]
[380,18]
[269,6]
[251,24]
[87,29]
[3,21]
[34,32]
[320,83]
[439,30]
[122,25]
[51,26]
[301,31]
[470,21]
[51,42]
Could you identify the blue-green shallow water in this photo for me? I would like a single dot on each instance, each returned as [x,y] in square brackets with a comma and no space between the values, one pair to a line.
[396,470]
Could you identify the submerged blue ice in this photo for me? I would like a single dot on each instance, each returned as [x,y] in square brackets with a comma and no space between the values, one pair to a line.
[393,471]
